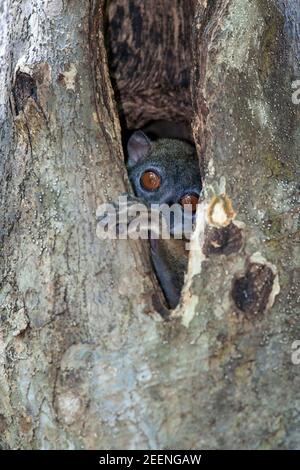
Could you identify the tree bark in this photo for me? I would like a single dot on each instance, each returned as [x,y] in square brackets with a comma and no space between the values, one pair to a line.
[86,361]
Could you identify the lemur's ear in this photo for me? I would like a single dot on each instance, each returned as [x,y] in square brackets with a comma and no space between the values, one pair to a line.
[138,148]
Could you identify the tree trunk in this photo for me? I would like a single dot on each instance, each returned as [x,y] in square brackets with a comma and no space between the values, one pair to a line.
[86,361]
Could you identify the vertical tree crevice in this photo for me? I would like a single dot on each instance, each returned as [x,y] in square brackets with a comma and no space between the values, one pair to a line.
[149,49]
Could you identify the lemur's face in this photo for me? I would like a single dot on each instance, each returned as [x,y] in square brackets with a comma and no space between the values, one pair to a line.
[165,171]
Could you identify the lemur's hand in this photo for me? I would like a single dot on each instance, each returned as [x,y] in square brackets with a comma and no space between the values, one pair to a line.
[132,217]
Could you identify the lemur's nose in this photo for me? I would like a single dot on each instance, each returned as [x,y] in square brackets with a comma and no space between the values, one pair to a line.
[169,198]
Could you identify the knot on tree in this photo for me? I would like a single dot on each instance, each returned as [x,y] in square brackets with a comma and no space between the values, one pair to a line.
[223,241]
[23,89]
[252,291]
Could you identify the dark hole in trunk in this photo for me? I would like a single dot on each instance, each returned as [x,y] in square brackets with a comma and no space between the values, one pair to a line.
[149,50]
[150,59]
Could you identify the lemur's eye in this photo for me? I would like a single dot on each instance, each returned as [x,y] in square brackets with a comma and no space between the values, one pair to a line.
[192,201]
[150,180]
